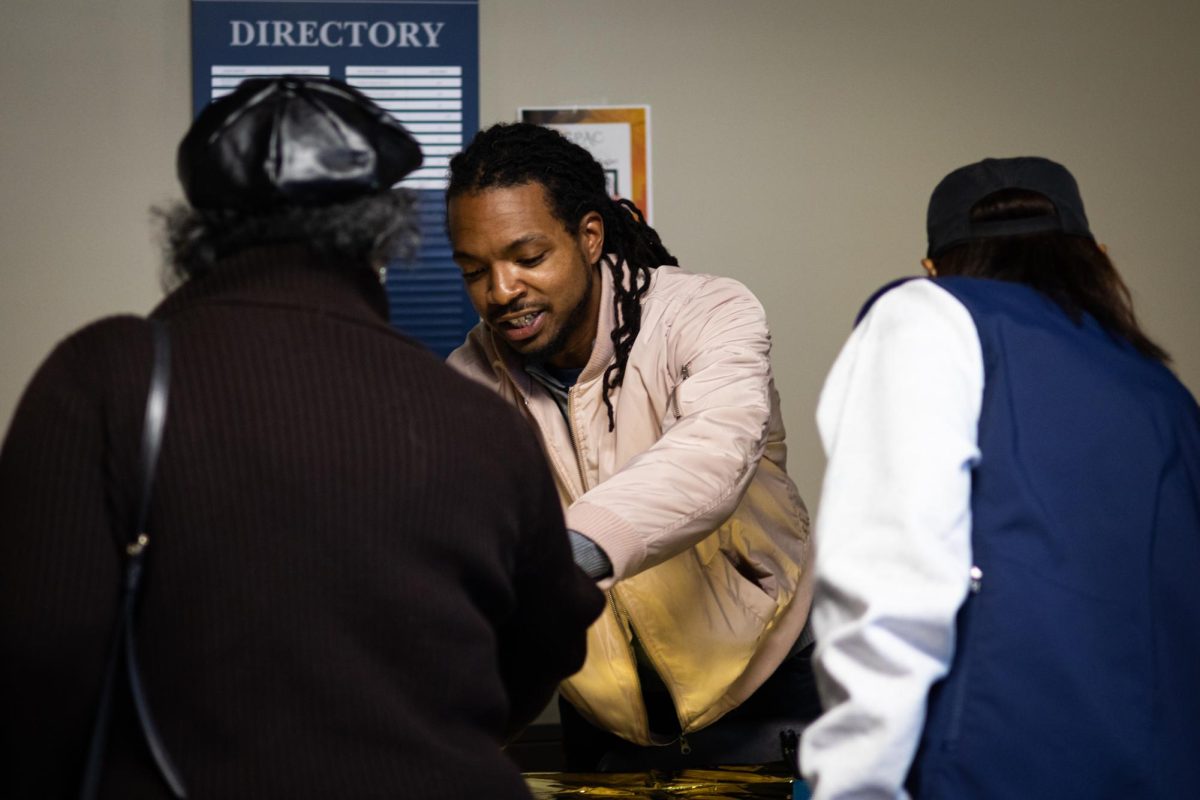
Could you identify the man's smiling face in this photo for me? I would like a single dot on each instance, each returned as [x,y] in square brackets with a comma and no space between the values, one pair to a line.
[532,281]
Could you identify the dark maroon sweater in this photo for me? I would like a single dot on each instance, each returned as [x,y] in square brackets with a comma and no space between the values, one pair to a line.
[358,578]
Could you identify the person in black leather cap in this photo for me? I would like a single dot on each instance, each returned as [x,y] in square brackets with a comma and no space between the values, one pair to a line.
[357,582]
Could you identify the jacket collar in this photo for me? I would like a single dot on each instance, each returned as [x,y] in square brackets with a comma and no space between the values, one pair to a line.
[284,275]
[602,348]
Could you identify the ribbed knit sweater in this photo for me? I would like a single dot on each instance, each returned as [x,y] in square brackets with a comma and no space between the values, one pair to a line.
[358,578]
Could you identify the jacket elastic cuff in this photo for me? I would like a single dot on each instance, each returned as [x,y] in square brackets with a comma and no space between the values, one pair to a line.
[618,539]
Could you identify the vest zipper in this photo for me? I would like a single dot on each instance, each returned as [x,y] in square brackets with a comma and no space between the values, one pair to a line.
[960,691]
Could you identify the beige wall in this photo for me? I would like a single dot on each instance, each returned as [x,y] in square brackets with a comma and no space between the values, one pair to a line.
[795,144]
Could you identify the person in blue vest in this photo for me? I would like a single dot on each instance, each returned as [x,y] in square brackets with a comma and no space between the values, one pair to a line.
[1008,543]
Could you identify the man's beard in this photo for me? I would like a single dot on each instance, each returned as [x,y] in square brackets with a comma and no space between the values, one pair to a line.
[576,317]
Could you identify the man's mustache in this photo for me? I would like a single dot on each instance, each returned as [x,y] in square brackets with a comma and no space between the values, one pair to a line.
[494,313]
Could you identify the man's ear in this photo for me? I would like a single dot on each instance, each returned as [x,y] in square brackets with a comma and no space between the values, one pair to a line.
[930,269]
[591,236]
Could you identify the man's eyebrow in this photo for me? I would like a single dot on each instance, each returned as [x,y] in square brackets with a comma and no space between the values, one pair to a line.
[515,244]
[524,240]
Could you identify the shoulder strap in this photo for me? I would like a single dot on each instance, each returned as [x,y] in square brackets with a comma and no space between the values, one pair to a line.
[154,421]
[122,642]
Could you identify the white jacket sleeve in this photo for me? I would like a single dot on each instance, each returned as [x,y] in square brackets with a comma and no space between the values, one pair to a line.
[679,490]
[898,418]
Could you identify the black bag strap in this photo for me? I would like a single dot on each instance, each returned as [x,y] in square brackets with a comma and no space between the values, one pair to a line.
[122,642]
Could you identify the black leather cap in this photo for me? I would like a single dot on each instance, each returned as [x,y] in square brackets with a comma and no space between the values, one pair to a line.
[292,141]
[949,219]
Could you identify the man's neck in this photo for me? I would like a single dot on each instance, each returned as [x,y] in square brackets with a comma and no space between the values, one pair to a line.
[568,360]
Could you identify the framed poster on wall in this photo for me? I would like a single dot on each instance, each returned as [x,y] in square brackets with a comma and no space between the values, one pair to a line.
[617,136]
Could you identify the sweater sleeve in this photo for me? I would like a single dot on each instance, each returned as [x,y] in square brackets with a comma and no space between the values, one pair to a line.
[59,530]
[898,418]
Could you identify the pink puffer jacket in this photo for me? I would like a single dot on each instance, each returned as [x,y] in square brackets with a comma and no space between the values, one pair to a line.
[688,496]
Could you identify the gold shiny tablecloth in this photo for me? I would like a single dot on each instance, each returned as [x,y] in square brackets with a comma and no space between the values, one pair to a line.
[696,784]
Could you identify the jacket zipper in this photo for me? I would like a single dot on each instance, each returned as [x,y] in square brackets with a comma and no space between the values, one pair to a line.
[551,457]
[684,374]
[622,616]
[574,443]
[627,627]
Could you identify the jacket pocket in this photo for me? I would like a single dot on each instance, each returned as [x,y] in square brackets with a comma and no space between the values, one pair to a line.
[747,583]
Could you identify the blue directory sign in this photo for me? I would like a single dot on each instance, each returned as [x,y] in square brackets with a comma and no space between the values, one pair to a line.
[419,60]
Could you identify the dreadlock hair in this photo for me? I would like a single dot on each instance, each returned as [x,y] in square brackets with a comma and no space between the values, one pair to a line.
[507,155]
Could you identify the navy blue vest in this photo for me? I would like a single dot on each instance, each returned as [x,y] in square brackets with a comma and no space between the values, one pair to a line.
[1077,667]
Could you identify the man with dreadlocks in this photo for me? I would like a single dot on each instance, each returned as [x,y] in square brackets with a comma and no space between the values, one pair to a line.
[651,391]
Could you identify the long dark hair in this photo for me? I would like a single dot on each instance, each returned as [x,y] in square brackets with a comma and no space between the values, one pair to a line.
[508,155]
[1071,270]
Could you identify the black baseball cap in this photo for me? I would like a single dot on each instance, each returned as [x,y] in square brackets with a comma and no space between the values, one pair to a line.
[292,140]
[949,219]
